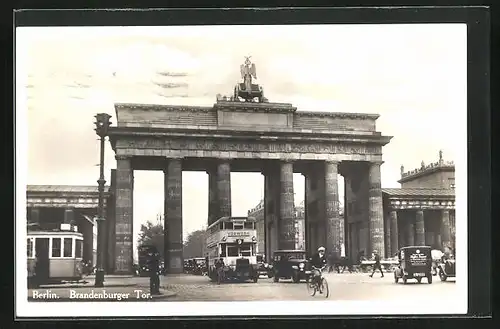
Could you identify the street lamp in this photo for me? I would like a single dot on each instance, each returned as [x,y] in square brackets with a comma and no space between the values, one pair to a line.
[102,124]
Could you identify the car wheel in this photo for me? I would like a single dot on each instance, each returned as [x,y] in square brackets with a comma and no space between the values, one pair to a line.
[269,274]
[405,279]
[295,278]
[429,279]
[255,279]
[419,280]
[275,278]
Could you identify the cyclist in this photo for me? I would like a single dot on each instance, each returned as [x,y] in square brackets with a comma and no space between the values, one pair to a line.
[318,261]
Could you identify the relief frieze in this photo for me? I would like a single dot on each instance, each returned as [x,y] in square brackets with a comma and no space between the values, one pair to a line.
[284,147]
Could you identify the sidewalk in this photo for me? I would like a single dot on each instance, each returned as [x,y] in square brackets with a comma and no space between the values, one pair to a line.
[116,288]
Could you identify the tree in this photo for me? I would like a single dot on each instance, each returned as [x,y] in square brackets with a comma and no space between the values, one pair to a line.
[152,234]
[195,244]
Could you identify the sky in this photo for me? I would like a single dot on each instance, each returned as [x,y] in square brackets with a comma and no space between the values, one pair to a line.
[414,76]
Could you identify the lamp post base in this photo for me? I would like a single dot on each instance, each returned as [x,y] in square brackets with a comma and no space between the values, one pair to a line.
[99,278]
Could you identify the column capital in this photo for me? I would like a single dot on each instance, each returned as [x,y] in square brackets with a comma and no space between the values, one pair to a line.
[376,163]
[123,157]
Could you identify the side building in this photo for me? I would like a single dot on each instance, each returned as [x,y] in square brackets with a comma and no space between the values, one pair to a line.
[422,211]
[49,206]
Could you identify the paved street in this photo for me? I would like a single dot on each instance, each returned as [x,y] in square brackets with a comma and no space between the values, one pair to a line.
[342,287]
[357,286]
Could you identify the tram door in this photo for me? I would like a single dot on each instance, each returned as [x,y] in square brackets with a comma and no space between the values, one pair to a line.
[42,258]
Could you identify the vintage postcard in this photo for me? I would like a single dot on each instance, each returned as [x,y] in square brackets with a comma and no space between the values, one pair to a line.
[259,170]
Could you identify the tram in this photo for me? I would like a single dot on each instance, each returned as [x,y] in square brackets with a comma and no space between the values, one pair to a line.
[54,256]
[234,240]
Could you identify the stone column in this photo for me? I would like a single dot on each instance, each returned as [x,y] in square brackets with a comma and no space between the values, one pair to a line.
[174,216]
[307,228]
[387,237]
[165,222]
[394,232]
[419,228]
[286,221]
[124,215]
[410,227]
[271,208]
[111,224]
[34,215]
[224,188]
[376,211]
[69,216]
[332,207]
[445,228]
[213,206]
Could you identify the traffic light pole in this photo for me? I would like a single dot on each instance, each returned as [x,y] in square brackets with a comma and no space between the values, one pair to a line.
[102,124]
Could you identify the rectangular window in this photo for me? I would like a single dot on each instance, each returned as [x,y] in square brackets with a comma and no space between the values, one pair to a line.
[232,251]
[249,225]
[78,248]
[246,250]
[223,250]
[228,226]
[56,247]
[238,225]
[30,247]
[68,247]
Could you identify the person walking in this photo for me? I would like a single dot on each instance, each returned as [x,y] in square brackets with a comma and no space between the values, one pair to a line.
[154,268]
[377,265]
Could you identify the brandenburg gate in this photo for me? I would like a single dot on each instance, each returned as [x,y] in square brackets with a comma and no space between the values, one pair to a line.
[247,133]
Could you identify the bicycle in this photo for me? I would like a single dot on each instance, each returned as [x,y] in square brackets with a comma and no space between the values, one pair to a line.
[318,283]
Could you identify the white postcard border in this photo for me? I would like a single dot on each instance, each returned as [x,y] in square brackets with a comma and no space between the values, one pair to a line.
[291,308]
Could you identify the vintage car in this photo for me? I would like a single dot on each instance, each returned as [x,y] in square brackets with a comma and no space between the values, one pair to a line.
[263,267]
[290,264]
[243,270]
[415,262]
[446,268]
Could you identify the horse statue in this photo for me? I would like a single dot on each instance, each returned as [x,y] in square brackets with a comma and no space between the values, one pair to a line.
[247,90]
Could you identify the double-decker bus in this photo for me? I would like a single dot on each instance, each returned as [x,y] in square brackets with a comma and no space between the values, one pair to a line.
[234,240]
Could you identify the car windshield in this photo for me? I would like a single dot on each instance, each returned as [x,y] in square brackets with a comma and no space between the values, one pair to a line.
[290,256]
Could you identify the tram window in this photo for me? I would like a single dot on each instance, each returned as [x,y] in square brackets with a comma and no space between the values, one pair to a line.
[221,225]
[228,226]
[223,250]
[78,248]
[238,226]
[68,247]
[249,225]
[246,251]
[232,251]
[30,247]
[56,247]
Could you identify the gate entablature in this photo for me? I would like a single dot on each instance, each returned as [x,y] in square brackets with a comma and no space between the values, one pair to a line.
[254,117]
[245,130]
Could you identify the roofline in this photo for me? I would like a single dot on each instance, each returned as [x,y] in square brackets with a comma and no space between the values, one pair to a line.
[425,172]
